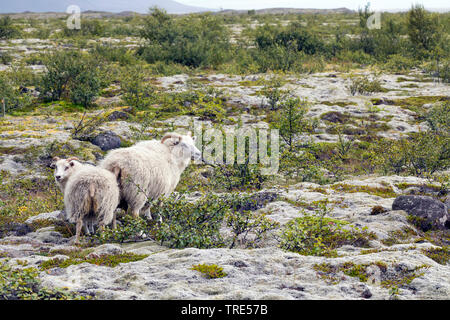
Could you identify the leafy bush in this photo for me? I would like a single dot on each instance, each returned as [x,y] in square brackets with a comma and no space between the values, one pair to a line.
[89,27]
[399,63]
[438,118]
[7,28]
[290,120]
[238,176]
[423,30]
[73,75]
[273,93]
[363,85]
[11,94]
[315,234]
[129,229]
[197,223]
[24,284]
[137,91]
[190,224]
[5,58]
[293,36]
[194,40]
[245,223]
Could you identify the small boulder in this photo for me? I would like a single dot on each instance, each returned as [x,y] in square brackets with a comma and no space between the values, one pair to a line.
[424,207]
[106,250]
[334,117]
[259,200]
[378,210]
[107,141]
[49,216]
[118,115]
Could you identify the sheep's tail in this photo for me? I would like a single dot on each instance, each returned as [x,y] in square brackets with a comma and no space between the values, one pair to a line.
[91,203]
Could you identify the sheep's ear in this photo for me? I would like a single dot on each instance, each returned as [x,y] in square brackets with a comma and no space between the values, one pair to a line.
[56,159]
[175,139]
[52,165]
[189,134]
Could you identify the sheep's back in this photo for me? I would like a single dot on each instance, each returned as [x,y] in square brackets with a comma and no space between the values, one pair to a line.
[77,195]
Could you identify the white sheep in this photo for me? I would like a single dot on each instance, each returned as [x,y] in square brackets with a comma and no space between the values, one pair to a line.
[150,169]
[91,194]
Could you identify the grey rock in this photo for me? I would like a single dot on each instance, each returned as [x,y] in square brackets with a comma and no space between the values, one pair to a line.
[432,210]
[52,216]
[259,200]
[107,141]
[48,235]
[118,115]
[106,250]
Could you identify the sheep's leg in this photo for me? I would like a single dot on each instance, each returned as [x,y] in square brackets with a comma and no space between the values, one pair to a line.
[146,211]
[86,227]
[78,230]
[91,225]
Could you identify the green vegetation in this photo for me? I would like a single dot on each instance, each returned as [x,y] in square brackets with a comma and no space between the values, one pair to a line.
[401,278]
[72,75]
[7,28]
[195,41]
[440,255]
[24,284]
[315,234]
[108,260]
[210,271]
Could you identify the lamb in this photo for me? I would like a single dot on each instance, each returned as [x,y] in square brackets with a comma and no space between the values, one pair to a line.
[150,169]
[91,194]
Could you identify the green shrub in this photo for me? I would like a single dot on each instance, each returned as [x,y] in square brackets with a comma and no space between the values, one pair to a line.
[5,58]
[7,28]
[423,30]
[290,120]
[89,27]
[315,234]
[438,118]
[190,224]
[197,223]
[193,40]
[399,63]
[272,92]
[363,85]
[130,229]
[24,284]
[244,222]
[73,75]
[10,93]
[137,91]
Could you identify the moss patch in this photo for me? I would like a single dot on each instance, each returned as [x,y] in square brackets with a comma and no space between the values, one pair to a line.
[210,271]
[383,192]
[440,255]
[399,277]
[108,261]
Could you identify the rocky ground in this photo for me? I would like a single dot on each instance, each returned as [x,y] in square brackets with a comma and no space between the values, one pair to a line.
[397,264]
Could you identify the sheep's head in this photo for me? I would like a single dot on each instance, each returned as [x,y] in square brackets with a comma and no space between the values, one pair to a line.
[182,145]
[64,168]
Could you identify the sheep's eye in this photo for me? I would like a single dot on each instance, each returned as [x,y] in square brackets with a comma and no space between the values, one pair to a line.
[66,168]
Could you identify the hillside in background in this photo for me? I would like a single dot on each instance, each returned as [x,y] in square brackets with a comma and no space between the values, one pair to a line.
[140,6]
